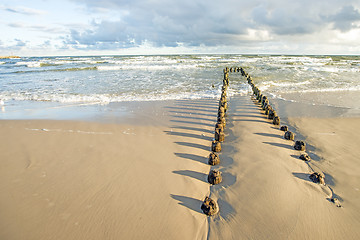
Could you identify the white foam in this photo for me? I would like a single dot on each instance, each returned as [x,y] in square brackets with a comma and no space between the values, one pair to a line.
[283,84]
[144,67]
[109,68]
[104,99]
[31,64]
[123,77]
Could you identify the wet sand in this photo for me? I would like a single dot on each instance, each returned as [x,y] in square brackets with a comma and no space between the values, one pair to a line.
[146,177]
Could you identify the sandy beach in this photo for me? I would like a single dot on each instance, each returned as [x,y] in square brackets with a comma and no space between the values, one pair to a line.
[146,178]
[84,180]
[179,120]
[273,197]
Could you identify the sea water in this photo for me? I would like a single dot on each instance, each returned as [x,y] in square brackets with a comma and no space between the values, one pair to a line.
[53,82]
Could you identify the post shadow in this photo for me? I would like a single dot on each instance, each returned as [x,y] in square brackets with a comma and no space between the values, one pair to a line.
[190,135]
[225,209]
[189,202]
[200,106]
[225,161]
[334,195]
[250,120]
[329,180]
[192,113]
[269,135]
[248,116]
[193,157]
[228,180]
[296,157]
[194,129]
[280,145]
[206,101]
[314,157]
[196,175]
[227,147]
[193,109]
[195,123]
[303,176]
[194,145]
[213,119]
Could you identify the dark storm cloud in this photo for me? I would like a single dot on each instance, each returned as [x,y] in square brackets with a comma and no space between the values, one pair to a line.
[210,23]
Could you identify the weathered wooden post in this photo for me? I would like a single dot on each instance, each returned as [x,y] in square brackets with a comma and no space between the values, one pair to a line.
[318,177]
[216,146]
[209,206]
[213,159]
[300,145]
[289,135]
[214,177]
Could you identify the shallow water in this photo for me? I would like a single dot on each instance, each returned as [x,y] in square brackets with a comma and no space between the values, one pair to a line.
[111,79]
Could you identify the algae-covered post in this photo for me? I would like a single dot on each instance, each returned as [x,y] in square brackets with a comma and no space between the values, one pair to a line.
[214,177]
[318,177]
[289,135]
[209,206]
[219,135]
[300,145]
[213,159]
[276,120]
[284,128]
[305,157]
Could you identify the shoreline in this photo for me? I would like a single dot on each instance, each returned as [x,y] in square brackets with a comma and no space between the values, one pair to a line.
[127,112]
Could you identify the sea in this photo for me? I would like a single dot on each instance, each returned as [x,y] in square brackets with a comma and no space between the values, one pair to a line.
[36,83]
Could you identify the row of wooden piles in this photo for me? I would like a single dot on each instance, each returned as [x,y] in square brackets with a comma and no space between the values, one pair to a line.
[269,111]
[209,206]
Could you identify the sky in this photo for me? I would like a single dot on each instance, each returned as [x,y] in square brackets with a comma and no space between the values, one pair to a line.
[120,27]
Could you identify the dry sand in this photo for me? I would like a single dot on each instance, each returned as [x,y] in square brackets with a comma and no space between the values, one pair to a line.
[87,180]
[82,180]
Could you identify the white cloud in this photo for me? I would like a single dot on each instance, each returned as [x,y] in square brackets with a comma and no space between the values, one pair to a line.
[24,10]
[212,23]
[40,28]
[196,25]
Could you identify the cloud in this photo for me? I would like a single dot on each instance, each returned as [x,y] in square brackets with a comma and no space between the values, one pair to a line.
[40,28]
[345,18]
[19,43]
[212,23]
[24,10]
[165,23]
[103,33]
[281,21]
